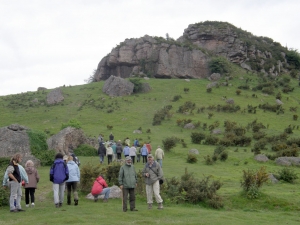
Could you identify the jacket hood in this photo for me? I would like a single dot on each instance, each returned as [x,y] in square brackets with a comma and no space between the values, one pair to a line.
[71,162]
[29,169]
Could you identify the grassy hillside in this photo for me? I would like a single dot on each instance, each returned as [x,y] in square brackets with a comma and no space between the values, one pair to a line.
[95,110]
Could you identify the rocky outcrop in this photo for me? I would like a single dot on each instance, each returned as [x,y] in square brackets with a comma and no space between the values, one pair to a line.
[14,139]
[116,86]
[155,57]
[55,96]
[67,139]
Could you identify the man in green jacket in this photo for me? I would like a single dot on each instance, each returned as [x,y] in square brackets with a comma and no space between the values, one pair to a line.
[128,182]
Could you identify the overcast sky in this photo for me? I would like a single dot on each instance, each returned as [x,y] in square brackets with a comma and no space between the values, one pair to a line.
[50,43]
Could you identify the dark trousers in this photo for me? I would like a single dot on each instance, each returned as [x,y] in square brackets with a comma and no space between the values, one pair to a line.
[132,159]
[144,158]
[109,159]
[71,186]
[29,191]
[119,155]
[129,191]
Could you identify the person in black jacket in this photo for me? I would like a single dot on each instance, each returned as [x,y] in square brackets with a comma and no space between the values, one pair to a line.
[101,152]
[119,150]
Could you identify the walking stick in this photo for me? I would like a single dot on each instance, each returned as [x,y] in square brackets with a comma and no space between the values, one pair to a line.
[122,198]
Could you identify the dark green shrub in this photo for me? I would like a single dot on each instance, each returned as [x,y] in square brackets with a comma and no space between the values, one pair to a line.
[176,98]
[170,142]
[224,156]
[211,140]
[4,195]
[256,178]
[160,115]
[220,65]
[46,157]
[88,173]
[219,149]
[197,137]
[85,150]
[192,158]
[287,174]
[138,85]
[187,107]
[259,135]
[208,160]
[72,123]
[111,173]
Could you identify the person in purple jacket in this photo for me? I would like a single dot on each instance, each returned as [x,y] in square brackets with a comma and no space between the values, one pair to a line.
[59,173]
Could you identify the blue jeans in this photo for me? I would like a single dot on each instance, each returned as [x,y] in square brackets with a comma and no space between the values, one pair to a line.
[104,192]
[101,158]
[160,162]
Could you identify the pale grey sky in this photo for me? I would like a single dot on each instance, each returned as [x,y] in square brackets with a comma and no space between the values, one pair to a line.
[60,42]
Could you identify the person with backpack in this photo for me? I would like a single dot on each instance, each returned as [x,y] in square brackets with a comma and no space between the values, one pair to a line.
[75,158]
[72,182]
[59,173]
[152,173]
[126,150]
[33,178]
[15,175]
[101,152]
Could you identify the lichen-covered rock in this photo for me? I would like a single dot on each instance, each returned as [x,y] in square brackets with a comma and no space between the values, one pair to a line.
[117,86]
[55,96]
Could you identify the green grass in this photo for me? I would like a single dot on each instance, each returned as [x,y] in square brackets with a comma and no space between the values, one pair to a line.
[277,204]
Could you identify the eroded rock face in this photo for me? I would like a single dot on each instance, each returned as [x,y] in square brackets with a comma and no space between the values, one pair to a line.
[67,139]
[147,55]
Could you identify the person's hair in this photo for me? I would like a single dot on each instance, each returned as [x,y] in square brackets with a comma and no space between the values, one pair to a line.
[70,158]
[16,157]
[29,163]
[59,156]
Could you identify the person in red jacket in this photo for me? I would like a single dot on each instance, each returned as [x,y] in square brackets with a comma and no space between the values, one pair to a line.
[100,187]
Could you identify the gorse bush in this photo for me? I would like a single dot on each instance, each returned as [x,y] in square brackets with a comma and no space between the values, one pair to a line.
[88,173]
[170,142]
[190,189]
[85,150]
[197,137]
[192,158]
[72,123]
[287,174]
[253,180]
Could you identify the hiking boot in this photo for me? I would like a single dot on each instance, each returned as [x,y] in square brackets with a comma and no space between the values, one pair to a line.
[57,205]
[21,210]
[133,209]
[14,210]
[95,199]
[27,205]
[150,206]
[32,204]
[76,202]
[105,200]
[60,204]
[160,206]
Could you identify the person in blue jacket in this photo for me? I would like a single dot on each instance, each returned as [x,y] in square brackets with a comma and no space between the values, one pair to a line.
[144,153]
[72,182]
[126,150]
[59,173]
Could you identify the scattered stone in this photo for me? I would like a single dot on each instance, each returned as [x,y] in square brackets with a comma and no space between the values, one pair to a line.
[194,151]
[261,158]
[55,96]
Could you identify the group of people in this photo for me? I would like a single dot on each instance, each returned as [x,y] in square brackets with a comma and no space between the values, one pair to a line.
[65,174]
[13,177]
[114,150]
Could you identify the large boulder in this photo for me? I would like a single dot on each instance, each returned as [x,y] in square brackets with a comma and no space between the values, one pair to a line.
[14,139]
[117,86]
[55,96]
[67,139]
[288,161]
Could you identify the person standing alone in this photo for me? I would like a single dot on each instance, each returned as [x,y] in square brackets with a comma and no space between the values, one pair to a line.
[152,173]
[128,182]
[159,155]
